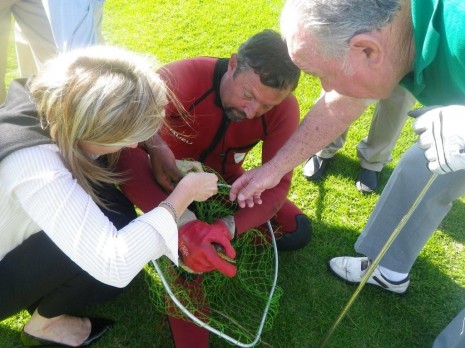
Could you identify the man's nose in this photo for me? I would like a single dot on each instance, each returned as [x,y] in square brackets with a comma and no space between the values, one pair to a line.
[251,109]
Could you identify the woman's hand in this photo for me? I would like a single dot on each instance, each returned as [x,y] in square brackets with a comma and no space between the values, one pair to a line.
[193,187]
[200,185]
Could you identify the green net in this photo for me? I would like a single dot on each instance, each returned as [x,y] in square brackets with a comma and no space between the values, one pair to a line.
[233,306]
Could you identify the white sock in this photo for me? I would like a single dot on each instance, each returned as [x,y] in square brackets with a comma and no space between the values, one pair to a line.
[391,275]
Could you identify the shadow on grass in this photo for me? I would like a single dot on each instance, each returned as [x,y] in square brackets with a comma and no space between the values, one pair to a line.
[138,324]
[453,222]
[313,299]
[345,167]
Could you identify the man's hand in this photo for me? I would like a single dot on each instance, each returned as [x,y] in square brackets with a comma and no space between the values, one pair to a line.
[198,245]
[163,162]
[441,133]
[249,187]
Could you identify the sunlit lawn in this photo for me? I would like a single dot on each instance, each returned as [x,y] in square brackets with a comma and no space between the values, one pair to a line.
[313,298]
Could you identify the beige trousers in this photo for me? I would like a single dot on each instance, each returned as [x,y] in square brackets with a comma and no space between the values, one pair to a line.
[34,39]
[389,118]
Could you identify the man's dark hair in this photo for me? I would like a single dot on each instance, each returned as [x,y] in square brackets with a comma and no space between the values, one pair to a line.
[266,54]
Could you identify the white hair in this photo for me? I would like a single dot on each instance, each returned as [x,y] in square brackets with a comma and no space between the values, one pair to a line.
[334,22]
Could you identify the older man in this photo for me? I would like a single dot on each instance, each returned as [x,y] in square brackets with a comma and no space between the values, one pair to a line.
[361,50]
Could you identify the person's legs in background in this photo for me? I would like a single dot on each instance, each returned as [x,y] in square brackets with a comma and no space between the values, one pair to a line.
[75,24]
[30,16]
[315,167]
[27,65]
[33,37]
[375,151]
[5,26]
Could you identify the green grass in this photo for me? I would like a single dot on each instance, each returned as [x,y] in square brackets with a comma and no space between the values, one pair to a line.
[313,298]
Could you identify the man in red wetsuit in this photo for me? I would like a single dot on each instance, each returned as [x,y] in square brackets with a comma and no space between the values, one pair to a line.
[229,106]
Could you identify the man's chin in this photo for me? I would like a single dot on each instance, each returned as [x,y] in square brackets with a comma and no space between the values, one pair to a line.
[236,119]
[233,118]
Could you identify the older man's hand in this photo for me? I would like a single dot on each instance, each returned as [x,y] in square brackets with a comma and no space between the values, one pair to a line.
[441,133]
[248,188]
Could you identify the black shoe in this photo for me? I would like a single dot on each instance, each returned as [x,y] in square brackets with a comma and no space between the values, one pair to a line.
[315,167]
[367,180]
[297,239]
[99,327]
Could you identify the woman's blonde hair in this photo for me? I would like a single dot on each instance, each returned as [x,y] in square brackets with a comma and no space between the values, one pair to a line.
[103,95]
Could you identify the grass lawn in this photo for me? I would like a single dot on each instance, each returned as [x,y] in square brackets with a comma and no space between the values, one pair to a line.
[313,298]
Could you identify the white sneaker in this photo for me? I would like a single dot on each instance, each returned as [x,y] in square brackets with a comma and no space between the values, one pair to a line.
[352,270]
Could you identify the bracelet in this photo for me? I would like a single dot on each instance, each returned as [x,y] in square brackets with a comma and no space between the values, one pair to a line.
[171,208]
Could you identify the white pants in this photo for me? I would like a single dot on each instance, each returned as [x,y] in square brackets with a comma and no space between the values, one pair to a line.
[35,43]
[76,23]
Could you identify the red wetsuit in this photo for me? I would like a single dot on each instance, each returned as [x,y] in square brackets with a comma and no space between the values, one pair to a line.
[206,135]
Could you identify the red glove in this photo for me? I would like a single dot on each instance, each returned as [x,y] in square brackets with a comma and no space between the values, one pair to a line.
[197,242]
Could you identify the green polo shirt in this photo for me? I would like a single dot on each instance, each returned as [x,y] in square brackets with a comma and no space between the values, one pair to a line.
[438,76]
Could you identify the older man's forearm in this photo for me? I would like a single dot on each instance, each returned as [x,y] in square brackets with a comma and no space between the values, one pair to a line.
[331,115]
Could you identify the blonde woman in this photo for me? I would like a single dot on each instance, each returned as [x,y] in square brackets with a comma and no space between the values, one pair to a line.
[68,237]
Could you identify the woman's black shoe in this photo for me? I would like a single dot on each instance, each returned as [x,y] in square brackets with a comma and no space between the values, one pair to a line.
[99,327]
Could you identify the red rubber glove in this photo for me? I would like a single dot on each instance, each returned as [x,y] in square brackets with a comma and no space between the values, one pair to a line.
[197,241]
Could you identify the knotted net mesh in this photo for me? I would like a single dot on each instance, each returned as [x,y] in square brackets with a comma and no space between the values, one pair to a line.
[233,306]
